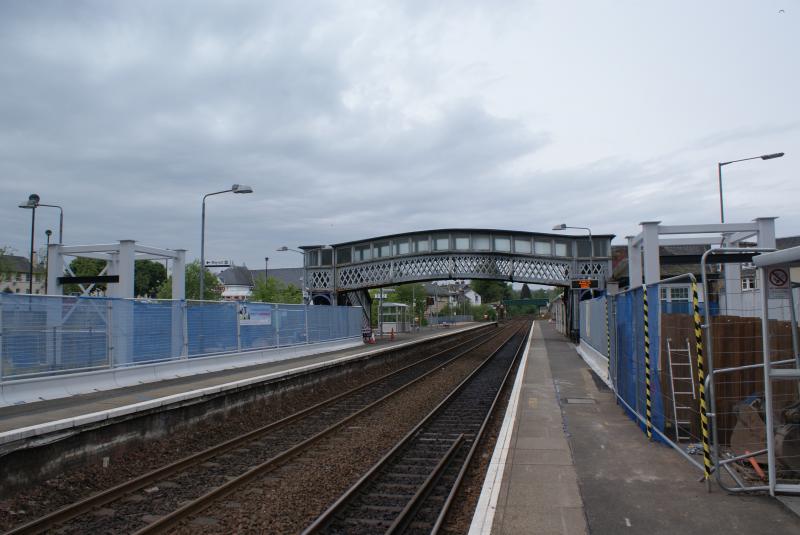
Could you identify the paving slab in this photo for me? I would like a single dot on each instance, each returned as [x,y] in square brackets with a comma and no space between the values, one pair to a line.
[631,485]
[539,492]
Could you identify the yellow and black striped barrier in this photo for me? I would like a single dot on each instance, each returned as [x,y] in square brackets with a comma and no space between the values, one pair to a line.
[701,377]
[608,340]
[649,414]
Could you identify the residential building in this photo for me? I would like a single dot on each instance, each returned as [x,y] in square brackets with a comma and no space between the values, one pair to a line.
[238,281]
[15,275]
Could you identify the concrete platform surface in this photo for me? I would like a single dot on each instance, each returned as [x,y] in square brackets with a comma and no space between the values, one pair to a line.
[580,465]
[31,416]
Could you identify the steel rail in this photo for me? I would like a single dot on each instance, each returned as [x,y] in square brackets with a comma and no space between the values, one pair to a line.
[479,435]
[319,524]
[401,522]
[195,506]
[81,507]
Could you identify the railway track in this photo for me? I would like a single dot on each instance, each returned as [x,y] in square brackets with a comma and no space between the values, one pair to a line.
[159,499]
[410,490]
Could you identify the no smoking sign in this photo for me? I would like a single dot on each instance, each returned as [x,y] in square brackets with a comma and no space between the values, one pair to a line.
[778,282]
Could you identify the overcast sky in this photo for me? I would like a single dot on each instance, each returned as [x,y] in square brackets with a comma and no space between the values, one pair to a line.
[352,119]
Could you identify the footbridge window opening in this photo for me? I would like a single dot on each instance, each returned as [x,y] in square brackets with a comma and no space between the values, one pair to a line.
[561,248]
[441,242]
[481,242]
[319,257]
[362,253]
[461,242]
[344,255]
[544,248]
[422,245]
[383,249]
[401,247]
[522,245]
[502,244]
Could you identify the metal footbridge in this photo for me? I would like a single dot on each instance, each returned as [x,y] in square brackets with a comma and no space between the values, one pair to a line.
[341,273]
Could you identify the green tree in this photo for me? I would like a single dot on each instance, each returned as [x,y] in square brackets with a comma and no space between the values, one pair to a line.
[525,293]
[276,291]
[84,267]
[213,288]
[492,291]
[148,278]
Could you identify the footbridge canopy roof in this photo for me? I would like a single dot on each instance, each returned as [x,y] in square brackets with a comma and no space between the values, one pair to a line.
[452,253]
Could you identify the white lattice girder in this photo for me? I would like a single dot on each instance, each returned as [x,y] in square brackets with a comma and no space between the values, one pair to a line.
[536,270]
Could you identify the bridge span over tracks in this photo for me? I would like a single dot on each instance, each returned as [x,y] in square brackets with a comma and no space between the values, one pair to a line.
[341,273]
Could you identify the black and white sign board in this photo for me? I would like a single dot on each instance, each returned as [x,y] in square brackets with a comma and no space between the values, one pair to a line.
[778,282]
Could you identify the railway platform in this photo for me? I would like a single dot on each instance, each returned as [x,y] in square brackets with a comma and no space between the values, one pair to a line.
[569,461]
[30,420]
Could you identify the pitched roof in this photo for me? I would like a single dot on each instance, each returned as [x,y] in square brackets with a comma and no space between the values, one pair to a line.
[10,263]
[236,275]
[285,275]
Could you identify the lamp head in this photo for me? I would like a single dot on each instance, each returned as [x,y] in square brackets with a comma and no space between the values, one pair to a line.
[771,156]
[282,248]
[561,226]
[32,202]
[241,188]
[48,232]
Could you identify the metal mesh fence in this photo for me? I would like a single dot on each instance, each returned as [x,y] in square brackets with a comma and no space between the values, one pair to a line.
[630,364]
[784,354]
[678,379]
[438,320]
[593,324]
[41,335]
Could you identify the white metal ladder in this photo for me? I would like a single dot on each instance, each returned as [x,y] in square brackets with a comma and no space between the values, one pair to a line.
[681,371]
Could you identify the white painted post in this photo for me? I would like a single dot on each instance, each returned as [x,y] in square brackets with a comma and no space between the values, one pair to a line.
[56,269]
[634,263]
[766,232]
[180,346]
[54,308]
[126,259]
[123,304]
[305,311]
[238,327]
[179,274]
[652,262]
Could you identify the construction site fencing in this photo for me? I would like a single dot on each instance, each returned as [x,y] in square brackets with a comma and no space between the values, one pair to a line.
[636,365]
[690,370]
[439,320]
[738,391]
[46,335]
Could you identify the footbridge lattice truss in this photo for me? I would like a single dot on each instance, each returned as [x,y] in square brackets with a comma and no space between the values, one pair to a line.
[447,254]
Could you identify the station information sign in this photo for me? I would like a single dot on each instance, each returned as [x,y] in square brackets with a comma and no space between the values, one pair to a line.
[584,284]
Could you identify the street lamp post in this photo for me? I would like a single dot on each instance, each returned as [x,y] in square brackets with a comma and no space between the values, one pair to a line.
[266,269]
[47,233]
[719,176]
[564,226]
[283,249]
[31,204]
[60,220]
[236,188]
